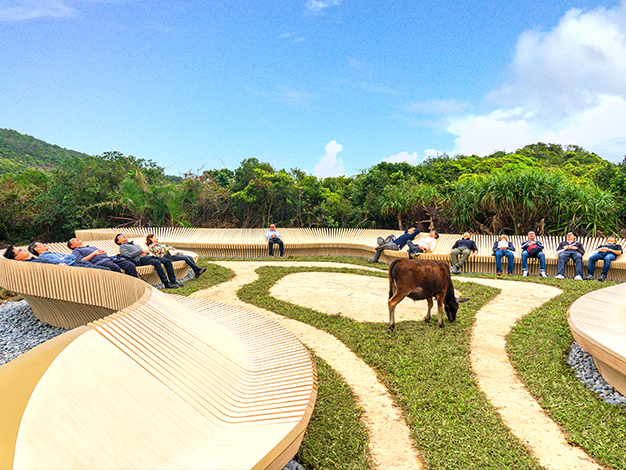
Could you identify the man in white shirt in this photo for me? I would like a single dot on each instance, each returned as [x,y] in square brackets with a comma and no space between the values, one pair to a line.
[273,236]
[424,245]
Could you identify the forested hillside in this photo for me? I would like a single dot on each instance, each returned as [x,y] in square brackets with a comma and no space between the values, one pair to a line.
[19,153]
[544,187]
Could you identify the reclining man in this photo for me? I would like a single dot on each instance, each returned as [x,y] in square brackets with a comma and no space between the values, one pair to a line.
[568,249]
[398,243]
[423,245]
[607,252]
[142,257]
[99,257]
[47,257]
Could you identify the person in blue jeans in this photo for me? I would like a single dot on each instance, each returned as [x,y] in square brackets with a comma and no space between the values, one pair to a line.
[529,250]
[607,252]
[568,249]
[503,247]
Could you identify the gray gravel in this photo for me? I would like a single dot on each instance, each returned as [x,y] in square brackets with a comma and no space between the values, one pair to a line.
[587,372]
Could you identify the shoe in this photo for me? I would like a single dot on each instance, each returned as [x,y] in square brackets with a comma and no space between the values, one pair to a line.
[525,274]
[371,261]
[559,276]
[602,278]
[200,272]
[271,256]
[454,269]
[171,285]
[578,278]
[180,284]
[543,274]
[589,277]
[499,273]
[509,274]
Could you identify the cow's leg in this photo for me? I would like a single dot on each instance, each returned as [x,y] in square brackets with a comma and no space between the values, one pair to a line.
[395,299]
[430,307]
[440,308]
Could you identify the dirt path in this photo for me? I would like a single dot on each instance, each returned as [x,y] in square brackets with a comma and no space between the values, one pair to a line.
[364,299]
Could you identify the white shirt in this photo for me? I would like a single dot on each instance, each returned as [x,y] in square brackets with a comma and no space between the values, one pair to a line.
[427,243]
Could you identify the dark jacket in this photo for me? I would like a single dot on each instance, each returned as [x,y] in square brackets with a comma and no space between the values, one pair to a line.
[528,243]
[402,239]
[579,247]
[495,247]
[467,243]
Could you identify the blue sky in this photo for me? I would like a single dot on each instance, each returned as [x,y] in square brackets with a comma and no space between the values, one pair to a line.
[328,86]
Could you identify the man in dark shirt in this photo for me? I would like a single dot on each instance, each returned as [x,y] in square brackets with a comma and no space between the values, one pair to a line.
[142,257]
[464,247]
[570,249]
[607,252]
[398,243]
[99,257]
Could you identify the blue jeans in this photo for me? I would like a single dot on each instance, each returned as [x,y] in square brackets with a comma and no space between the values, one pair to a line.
[540,255]
[564,257]
[510,259]
[607,256]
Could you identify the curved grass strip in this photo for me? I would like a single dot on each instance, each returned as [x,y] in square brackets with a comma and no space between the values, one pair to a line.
[335,438]
[215,274]
[428,372]
[539,346]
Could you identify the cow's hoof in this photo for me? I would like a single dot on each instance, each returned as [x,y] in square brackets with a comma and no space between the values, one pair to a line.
[440,325]
[392,327]
[427,319]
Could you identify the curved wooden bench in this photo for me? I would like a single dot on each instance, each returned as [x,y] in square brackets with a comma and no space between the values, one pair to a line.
[250,243]
[181,269]
[163,382]
[598,323]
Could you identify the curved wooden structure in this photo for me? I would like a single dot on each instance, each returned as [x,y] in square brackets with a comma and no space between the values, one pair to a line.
[250,243]
[598,323]
[162,382]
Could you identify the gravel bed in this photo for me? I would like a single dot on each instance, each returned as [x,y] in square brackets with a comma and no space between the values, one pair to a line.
[587,372]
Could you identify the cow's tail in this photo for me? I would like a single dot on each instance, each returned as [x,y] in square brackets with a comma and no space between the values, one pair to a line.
[392,277]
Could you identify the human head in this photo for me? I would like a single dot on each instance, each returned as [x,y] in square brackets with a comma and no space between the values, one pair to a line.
[467,235]
[504,237]
[611,239]
[37,248]
[19,254]
[411,230]
[570,237]
[433,234]
[531,235]
[120,239]
[151,238]
[272,227]
[74,243]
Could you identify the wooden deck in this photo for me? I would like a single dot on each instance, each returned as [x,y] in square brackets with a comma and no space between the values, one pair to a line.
[152,380]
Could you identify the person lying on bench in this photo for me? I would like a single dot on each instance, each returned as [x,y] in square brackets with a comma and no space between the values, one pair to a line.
[43,252]
[166,251]
[397,243]
[424,245]
[99,257]
[21,254]
[142,257]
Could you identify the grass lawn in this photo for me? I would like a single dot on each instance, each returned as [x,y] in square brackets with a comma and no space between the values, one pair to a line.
[427,370]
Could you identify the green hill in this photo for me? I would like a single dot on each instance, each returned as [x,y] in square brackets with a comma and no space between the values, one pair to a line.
[19,152]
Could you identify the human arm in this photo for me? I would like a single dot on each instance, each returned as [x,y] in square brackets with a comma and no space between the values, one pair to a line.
[129,250]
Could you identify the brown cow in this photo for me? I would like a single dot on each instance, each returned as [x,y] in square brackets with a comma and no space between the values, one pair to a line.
[422,280]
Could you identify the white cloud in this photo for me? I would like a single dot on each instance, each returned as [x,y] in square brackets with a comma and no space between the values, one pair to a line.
[567,86]
[29,9]
[294,97]
[329,164]
[316,6]
[402,157]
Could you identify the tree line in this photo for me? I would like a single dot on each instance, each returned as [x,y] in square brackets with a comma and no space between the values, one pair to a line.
[548,188]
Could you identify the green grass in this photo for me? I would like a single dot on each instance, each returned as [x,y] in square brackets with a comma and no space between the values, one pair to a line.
[539,345]
[335,438]
[214,275]
[426,369]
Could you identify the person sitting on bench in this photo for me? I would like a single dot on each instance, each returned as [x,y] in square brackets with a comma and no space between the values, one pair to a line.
[142,257]
[533,248]
[273,236]
[607,252]
[99,257]
[165,251]
[397,243]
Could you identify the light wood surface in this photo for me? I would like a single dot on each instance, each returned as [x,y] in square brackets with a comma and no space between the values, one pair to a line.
[164,382]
